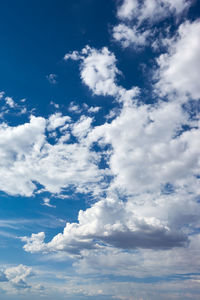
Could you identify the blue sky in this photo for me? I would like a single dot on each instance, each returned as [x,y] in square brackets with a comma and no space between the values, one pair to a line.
[99,150]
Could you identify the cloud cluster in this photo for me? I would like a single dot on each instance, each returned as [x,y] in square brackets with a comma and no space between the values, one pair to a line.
[137,19]
[142,166]
[151,10]
[155,164]
[16,276]
[27,158]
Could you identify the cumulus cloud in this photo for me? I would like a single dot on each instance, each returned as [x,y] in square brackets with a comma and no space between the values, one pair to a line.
[99,72]
[112,223]
[151,10]
[27,158]
[130,36]
[57,120]
[145,153]
[143,15]
[149,153]
[179,68]
[17,276]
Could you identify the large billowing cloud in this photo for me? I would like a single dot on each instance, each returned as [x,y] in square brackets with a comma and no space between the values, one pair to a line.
[154,163]
[112,223]
[179,68]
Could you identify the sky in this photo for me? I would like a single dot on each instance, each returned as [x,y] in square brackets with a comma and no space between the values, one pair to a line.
[99,150]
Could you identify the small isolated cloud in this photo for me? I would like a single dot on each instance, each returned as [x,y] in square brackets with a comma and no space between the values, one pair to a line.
[99,72]
[56,105]
[74,108]
[52,78]
[46,202]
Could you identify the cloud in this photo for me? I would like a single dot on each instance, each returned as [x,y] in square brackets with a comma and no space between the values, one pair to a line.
[47,203]
[74,108]
[17,276]
[138,18]
[130,36]
[153,163]
[28,158]
[145,153]
[151,10]
[99,72]
[52,78]
[57,120]
[10,102]
[179,67]
[112,223]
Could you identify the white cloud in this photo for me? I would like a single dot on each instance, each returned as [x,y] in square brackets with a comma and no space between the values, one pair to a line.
[91,109]
[46,202]
[112,223]
[179,68]
[57,120]
[149,152]
[146,154]
[27,158]
[10,102]
[99,72]
[74,108]
[151,10]
[130,36]
[138,17]
[127,9]
[82,127]
[17,276]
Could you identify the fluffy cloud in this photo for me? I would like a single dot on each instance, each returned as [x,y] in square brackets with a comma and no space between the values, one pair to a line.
[154,163]
[148,151]
[112,223]
[99,72]
[57,120]
[151,10]
[130,36]
[143,15]
[27,158]
[16,276]
[179,68]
